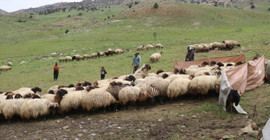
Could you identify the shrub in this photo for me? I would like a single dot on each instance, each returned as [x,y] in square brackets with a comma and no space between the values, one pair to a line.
[136,2]
[155,5]
[269,9]
[80,14]
[69,16]
[67,31]
[252,6]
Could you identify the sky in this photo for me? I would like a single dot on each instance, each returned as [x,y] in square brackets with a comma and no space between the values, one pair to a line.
[14,5]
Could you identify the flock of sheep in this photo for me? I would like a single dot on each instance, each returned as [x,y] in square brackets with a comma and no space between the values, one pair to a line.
[149,47]
[115,93]
[93,55]
[224,45]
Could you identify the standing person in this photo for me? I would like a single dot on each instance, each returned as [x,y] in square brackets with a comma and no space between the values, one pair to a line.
[136,62]
[102,73]
[190,54]
[55,71]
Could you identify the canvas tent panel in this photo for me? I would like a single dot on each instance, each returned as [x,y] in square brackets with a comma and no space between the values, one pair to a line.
[256,73]
[179,65]
[237,77]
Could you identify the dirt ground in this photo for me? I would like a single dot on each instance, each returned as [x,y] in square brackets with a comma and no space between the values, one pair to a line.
[188,118]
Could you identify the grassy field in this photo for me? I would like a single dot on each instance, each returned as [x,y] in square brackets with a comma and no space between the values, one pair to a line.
[176,25]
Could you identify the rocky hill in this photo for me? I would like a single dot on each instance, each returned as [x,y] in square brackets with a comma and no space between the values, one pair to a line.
[2,12]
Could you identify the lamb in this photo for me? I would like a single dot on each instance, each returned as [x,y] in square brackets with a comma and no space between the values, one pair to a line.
[119,51]
[178,87]
[148,47]
[5,68]
[159,46]
[97,98]
[62,59]
[9,63]
[68,58]
[140,48]
[142,72]
[86,56]
[200,85]
[155,57]
[36,107]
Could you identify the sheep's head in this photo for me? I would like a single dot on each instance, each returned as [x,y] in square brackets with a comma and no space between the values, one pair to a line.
[71,85]
[96,85]
[207,73]
[238,63]
[229,64]
[176,71]
[35,96]
[61,86]
[73,58]
[79,84]
[89,88]
[36,89]
[147,67]
[204,64]
[79,88]
[165,75]
[159,71]
[212,63]
[191,76]
[130,78]
[183,71]
[8,92]
[62,92]
[51,92]
[160,52]
[1,92]
[17,96]
[27,96]
[220,64]
[9,97]
[86,83]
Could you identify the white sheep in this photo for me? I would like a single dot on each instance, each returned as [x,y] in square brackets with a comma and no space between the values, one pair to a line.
[159,45]
[62,59]
[142,72]
[72,100]
[24,91]
[178,87]
[94,55]
[178,76]
[140,48]
[97,98]
[148,47]
[12,108]
[77,57]
[132,94]
[119,51]
[86,56]
[160,84]
[5,68]
[101,54]
[33,108]
[155,57]
[9,63]
[200,85]
[68,58]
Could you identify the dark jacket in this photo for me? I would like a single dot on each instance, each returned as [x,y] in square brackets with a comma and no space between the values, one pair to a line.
[190,55]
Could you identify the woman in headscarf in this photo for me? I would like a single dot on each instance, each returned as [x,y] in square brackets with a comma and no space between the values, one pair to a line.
[190,54]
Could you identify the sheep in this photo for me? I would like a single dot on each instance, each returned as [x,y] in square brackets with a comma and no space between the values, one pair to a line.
[200,85]
[142,72]
[97,98]
[161,84]
[86,56]
[9,64]
[155,57]
[109,52]
[178,76]
[230,44]
[140,48]
[101,54]
[12,108]
[55,98]
[5,68]
[62,59]
[72,100]
[119,51]
[132,94]
[147,47]
[33,108]
[115,87]
[94,55]
[178,87]
[159,45]
[77,57]
[68,58]
[130,78]
[23,91]
[218,45]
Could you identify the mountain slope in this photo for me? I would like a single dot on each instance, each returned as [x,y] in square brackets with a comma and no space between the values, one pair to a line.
[2,12]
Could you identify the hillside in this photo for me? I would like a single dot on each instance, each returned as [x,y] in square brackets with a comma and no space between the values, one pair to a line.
[2,12]
[28,41]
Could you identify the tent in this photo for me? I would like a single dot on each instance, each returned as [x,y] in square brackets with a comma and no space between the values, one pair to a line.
[242,78]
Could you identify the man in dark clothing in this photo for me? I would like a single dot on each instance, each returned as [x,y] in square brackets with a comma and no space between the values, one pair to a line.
[102,73]
[190,54]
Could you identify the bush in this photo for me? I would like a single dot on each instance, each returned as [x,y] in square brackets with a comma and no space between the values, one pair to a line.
[80,14]
[69,16]
[269,9]
[136,2]
[67,31]
[252,6]
[129,5]
[155,5]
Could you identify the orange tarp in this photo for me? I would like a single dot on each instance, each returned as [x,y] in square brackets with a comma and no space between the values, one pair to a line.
[179,65]
[247,76]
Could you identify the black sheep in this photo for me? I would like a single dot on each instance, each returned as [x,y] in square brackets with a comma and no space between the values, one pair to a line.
[220,64]
[233,97]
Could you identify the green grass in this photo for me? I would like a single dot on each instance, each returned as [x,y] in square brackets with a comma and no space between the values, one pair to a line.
[176,24]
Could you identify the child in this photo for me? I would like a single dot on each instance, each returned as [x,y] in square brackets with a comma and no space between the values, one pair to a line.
[103,72]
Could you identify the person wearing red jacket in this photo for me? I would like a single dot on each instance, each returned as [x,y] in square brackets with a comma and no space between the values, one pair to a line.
[55,71]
